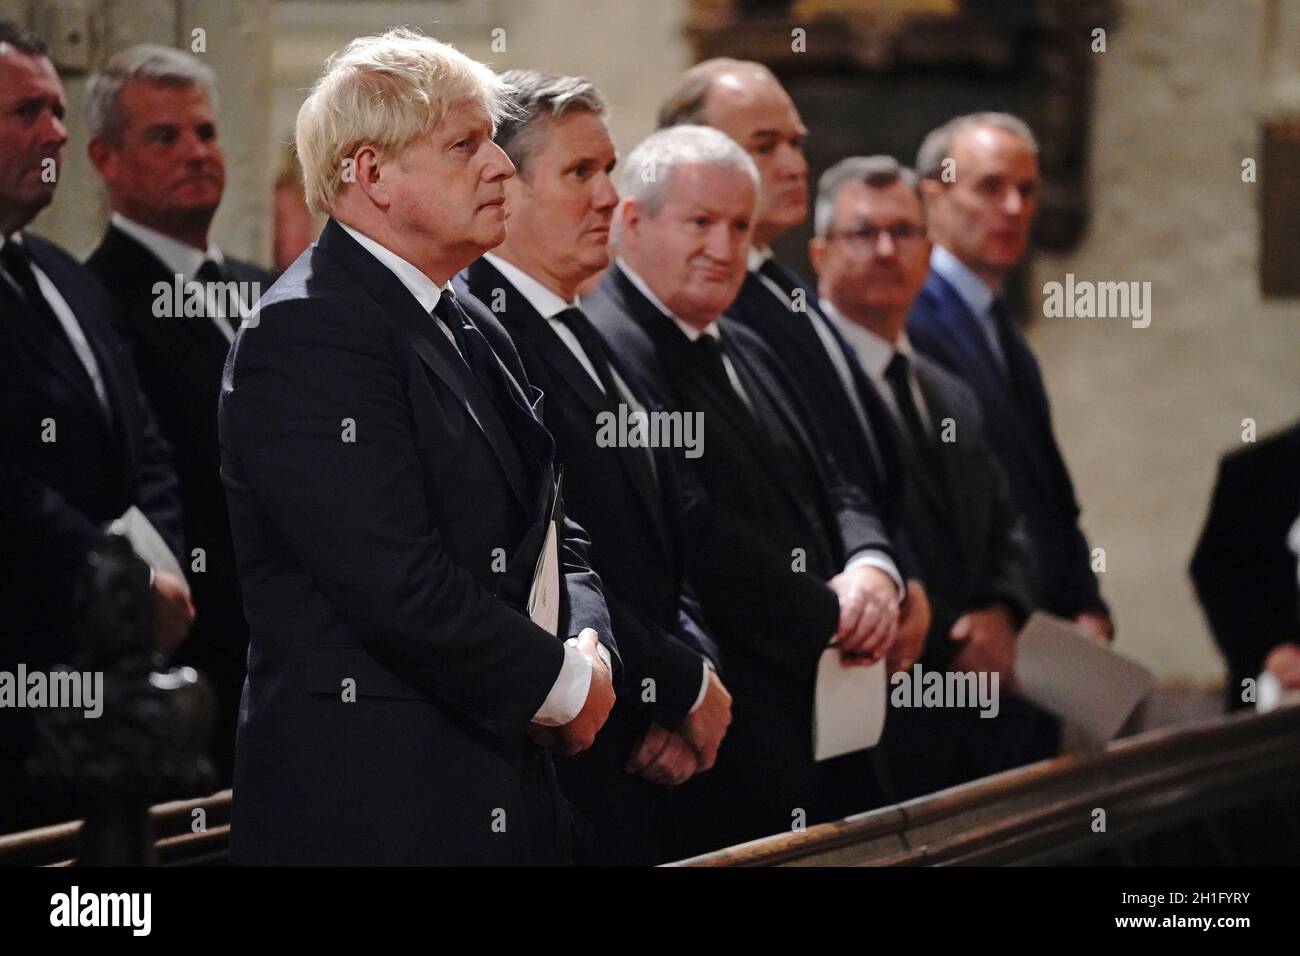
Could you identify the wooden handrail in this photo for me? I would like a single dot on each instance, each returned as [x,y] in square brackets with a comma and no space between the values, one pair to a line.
[1043,812]
[172,826]
[1046,810]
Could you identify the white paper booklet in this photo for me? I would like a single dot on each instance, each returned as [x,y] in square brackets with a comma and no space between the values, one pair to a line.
[1077,678]
[849,706]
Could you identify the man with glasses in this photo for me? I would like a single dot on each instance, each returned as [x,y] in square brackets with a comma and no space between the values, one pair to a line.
[960,529]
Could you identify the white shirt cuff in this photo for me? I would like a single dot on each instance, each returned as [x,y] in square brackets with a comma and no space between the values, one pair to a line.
[569,692]
[704,688]
[878,559]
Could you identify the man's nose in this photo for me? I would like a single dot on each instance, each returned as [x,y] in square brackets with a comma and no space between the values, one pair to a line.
[605,196]
[720,244]
[55,133]
[886,246]
[1014,203]
[791,161]
[498,165]
[197,148]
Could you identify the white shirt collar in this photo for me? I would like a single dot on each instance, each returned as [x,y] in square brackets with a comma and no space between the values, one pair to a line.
[426,291]
[688,330]
[758,256]
[546,302]
[974,291]
[174,254]
[873,351]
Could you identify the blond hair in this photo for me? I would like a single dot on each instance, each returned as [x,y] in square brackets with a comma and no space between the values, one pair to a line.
[384,91]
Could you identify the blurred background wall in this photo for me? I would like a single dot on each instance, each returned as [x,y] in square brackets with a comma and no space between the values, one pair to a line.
[1146,141]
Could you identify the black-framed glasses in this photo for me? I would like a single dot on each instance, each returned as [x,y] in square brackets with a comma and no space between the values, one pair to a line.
[867,236]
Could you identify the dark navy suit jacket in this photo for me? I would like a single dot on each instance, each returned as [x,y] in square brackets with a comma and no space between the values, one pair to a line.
[1019,428]
[400,562]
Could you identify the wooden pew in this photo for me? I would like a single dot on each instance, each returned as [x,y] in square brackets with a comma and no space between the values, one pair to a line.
[1221,791]
[1225,790]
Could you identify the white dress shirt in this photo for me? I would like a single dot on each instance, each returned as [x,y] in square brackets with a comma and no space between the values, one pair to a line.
[549,305]
[875,353]
[688,330]
[974,291]
[68,319]
[183,260]
[569,692]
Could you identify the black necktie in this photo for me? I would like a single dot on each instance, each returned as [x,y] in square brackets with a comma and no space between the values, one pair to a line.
[708,352]
[1007,340]
[212,271]
[529,434]
[592,346]
[918,437]
[18,264]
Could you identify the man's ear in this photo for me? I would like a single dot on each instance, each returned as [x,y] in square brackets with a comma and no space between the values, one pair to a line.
[365,167]
[102,156]
[632,215]
[816,253]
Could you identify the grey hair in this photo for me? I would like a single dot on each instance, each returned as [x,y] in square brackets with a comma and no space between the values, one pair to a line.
[538,99]
[650,165]
[150,63]
[876,171]
[938,143]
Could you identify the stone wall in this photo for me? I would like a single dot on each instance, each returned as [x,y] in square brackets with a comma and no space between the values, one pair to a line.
[1144,414]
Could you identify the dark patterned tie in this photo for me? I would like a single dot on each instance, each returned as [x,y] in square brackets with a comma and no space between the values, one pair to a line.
[530,435]
[918,437]
[593,347]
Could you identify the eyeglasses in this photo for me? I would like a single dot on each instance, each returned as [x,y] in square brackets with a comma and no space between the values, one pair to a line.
[867,236]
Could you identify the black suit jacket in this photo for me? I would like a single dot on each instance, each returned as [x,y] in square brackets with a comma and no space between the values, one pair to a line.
[180,361]
[398,562]
[1244,572]
[870,459]
[1020,431]
[94,469]
[627,499]
[773,522]
[961,529]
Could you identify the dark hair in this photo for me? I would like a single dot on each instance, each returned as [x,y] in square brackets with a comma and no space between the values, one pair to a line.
[22,40]
[539,98]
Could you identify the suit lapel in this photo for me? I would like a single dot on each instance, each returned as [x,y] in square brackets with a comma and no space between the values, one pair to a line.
[758,386]
[951,487]
[974,358]
[534,332]
[141,269]
[50,342]
[434,349]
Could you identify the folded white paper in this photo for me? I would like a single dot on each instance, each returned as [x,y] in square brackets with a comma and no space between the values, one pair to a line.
[1077,678]
[544,595]
[848,708]
[147,542]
